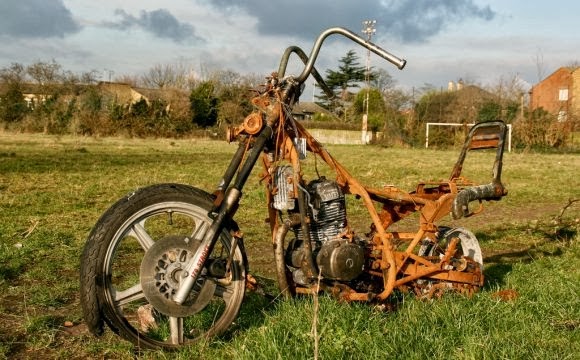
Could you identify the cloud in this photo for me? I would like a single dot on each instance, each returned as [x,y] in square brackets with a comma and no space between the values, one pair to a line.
[36,19]
[416,21]
[160,23]
[407,20]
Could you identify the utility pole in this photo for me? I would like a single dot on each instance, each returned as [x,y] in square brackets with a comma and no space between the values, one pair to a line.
[108,72]
[368,30]
[313,90]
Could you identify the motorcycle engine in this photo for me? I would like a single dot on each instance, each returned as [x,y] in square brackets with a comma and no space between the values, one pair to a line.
[338,258]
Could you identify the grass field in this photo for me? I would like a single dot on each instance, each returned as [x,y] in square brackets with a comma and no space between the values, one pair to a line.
[53,189]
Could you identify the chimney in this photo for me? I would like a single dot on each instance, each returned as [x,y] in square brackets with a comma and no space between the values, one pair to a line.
[451,86]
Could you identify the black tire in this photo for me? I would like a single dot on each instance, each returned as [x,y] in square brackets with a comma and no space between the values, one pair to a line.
[88,292]
[92,313]
[131,264]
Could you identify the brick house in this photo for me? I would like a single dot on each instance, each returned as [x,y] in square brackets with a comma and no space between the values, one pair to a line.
[558,94]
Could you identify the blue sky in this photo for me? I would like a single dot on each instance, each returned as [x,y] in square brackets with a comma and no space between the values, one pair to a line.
[478,40]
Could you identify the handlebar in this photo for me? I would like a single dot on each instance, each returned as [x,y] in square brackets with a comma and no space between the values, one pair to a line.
[398,62]
[302,55]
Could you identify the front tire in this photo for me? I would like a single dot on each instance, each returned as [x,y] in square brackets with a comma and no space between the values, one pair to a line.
[132,264]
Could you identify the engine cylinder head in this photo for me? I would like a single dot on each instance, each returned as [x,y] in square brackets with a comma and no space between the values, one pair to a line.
[327,209]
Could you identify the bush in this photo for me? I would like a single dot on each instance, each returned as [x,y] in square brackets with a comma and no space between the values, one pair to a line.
[204,105]
[540,130]
[13,108]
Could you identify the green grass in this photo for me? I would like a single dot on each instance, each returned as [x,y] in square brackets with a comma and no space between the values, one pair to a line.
[53,189]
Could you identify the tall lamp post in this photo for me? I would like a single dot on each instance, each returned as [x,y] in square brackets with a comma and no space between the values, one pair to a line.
[368,30]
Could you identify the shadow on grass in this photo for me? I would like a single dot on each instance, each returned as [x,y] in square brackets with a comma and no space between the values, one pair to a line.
[526,255]
[257,305]
[495,275]
[538,242]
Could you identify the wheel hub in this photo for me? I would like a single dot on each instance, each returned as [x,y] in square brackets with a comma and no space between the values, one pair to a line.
[161,272]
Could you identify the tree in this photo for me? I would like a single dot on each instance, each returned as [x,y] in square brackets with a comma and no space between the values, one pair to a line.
[232,91]
[382,80]
[131,80]
[91,119]
[49,112]
[204,105]
[168,76]
[15,74]
[433,106]
[159,76]
[45,73]
[12,105]
[348,75]
[377,108]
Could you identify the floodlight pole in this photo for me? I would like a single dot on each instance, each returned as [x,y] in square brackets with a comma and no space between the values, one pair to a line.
[368,30]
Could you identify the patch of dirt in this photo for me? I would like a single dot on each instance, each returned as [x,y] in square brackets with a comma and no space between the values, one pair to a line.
[75,330]
[495,214]
[570,325]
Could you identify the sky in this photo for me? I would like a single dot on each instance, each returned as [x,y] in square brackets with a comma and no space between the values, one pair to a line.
[479,41]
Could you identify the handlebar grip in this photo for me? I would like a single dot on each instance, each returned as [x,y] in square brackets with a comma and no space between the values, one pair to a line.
[491,191]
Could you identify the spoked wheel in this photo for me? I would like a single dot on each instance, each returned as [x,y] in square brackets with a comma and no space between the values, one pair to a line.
[142,245]
[466,258]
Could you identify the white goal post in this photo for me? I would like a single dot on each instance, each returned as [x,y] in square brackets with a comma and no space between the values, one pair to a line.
[509,126]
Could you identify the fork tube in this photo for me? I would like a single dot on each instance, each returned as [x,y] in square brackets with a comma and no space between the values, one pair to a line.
[194,266]
[253,156]
[231,170]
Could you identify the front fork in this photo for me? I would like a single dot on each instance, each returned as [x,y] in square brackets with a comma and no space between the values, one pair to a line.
[230,202]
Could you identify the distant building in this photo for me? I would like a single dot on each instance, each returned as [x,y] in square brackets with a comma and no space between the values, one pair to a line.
[119,93]
[122,93]
[305,110]
[559,93]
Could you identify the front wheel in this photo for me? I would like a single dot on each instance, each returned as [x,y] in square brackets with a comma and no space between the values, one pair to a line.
[134,258]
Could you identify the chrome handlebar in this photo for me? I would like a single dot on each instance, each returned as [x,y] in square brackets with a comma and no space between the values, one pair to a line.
[398,62]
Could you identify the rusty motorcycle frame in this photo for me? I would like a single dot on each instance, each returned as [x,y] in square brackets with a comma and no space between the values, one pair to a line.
[173,253]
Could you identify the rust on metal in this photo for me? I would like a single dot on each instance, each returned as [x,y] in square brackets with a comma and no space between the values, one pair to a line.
[392,257]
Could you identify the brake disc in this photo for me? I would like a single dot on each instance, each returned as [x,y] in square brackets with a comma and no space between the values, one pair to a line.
[161,271]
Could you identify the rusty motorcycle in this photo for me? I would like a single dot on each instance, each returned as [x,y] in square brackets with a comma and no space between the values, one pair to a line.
[175,253]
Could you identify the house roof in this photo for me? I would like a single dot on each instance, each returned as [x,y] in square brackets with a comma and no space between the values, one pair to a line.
[305,107]
[570,69]
[124,93]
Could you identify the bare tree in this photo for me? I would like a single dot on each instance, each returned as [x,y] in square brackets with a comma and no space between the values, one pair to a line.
[15,74]
[159,76]
[383,81]
[45,73]
[89,77]
[177,76]
[540,66]
[508,88]
[131,80]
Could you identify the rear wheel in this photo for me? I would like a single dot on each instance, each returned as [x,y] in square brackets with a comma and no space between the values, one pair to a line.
[142,244]
[467,258]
